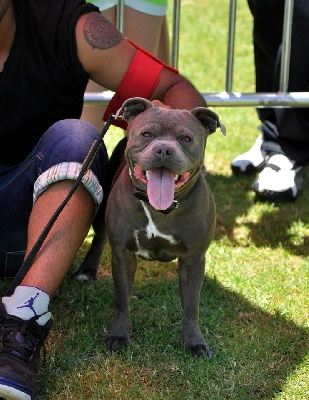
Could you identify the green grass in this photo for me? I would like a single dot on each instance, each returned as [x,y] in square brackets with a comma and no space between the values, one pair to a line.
[254,301]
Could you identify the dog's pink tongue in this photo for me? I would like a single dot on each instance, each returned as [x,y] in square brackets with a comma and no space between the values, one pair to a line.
[160,188]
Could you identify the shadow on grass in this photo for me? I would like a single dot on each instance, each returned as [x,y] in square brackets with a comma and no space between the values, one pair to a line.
[273,228]
[254,351]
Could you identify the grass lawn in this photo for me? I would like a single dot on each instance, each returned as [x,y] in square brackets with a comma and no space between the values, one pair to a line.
[254,302]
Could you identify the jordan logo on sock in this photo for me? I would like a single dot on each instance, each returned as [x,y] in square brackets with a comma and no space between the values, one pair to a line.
[29,304]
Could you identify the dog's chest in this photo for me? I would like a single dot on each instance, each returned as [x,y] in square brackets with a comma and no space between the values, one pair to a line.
[151,243]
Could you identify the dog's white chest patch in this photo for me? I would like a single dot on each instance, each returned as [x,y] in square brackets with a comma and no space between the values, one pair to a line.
[151,232]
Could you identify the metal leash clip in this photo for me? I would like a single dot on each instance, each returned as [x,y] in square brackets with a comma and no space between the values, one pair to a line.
[119,115]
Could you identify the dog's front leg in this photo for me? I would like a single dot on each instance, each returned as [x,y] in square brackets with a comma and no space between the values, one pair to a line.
[191,276]
[123,270]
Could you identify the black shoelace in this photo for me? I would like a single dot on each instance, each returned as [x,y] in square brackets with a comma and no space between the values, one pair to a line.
[20,339]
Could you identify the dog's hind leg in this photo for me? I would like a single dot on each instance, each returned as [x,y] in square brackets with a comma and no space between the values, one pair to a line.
[123,267]
[89,267]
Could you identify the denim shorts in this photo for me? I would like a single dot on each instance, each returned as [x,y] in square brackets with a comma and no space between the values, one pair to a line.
[57,156]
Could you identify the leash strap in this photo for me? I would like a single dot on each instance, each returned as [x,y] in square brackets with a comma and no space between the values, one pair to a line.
[38,244]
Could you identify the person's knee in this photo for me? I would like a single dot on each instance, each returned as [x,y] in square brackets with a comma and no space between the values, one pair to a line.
[71,136]
[63,153]
[69,140]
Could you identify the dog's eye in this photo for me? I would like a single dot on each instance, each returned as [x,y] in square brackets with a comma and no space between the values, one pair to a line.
[186,138]
[146,134]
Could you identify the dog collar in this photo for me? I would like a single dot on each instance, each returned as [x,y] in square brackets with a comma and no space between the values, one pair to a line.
[143,197]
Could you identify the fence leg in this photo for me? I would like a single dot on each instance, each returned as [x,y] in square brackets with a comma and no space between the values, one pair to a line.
[286,46]
[231,47]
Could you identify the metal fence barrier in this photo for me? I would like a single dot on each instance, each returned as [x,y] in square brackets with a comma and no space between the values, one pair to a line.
[228,98]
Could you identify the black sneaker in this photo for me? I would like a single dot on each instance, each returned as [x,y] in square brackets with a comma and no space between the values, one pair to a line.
[20,345]
[280,180]
[252,161]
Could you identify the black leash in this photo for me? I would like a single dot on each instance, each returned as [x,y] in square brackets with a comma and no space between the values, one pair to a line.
[38,244]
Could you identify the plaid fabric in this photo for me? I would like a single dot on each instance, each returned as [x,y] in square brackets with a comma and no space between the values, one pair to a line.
[68,170]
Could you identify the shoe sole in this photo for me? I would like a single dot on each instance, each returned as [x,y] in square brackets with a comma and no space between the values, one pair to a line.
[287,195]
[250,169]
[276,197]
[9,392]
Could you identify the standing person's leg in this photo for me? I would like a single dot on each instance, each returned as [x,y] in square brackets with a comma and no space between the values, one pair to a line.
[282,149]
[145,30]
[267,37]
[286,143]
[293,123]
[164,44]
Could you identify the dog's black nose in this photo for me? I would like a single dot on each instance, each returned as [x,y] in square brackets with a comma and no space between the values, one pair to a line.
[164,151]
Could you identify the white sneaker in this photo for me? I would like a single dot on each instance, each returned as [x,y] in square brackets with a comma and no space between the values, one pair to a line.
[251,161]
[280,180]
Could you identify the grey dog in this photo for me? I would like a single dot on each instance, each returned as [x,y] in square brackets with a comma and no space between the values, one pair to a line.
[160,207]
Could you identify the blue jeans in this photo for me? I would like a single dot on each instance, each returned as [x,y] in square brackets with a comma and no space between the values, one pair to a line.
[57,156]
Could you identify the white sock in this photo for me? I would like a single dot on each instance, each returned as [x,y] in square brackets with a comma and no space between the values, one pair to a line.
[27,302]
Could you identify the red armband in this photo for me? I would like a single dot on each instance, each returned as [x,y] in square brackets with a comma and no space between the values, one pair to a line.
[140,80]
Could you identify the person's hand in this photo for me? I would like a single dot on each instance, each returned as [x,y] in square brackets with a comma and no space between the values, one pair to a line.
[158,103]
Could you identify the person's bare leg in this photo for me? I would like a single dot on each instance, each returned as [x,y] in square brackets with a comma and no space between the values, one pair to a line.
[65,237]
[164,43]
[94,113]
[143,29]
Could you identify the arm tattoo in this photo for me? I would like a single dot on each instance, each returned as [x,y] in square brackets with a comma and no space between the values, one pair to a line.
[100,33]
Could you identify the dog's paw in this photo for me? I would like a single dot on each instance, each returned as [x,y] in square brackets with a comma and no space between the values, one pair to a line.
[85,276]
[113,343]
[201,350]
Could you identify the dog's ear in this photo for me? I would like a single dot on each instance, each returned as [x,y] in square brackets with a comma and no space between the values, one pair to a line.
[209,119]
[134,106]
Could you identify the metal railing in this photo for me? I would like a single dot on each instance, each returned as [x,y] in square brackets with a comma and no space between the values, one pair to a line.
[228,98]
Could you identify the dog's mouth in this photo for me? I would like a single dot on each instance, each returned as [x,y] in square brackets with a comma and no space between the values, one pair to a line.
[161,184]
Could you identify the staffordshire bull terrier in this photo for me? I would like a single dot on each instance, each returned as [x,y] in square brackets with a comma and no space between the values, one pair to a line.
[160,207]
